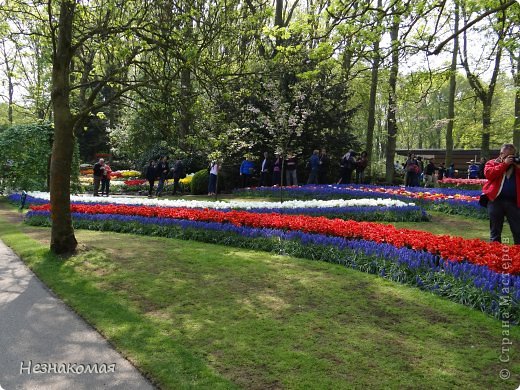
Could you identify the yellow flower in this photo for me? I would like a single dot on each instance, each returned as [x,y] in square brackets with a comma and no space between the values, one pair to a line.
[187,180]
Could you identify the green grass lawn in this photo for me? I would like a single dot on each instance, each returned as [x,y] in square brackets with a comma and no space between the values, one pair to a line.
[194,315]
[456,225]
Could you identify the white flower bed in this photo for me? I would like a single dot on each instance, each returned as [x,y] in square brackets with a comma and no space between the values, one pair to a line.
[245,205]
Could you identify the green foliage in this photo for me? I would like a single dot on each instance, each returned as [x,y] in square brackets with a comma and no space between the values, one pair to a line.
[199,183]
[24,156]
[25,152]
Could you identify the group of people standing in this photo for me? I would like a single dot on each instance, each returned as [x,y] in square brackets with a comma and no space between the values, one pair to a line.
[318,166]
[416,173]
[161,171]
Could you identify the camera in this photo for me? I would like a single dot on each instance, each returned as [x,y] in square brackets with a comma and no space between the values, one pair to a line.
[516,160]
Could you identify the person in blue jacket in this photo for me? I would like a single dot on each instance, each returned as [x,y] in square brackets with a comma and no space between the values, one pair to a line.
[473,170]
[314,165]
[247,168]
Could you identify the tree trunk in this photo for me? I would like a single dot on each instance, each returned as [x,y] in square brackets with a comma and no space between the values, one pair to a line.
[451,97]
[63,240]
[486,128]
[516,128]
[392,101]
[186,98]
[10,85]
[185,106]
[371,122]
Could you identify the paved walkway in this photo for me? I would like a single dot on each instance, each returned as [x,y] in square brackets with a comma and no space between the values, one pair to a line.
[44,345]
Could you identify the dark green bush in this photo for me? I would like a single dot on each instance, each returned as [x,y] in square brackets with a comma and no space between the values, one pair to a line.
[199,183]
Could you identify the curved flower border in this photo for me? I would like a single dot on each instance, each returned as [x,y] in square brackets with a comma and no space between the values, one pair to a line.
[451,248]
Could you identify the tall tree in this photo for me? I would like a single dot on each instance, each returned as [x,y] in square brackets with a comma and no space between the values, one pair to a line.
[485,92]
[516,76]
[74,27]
[391,118]
[376,60]
[453,84]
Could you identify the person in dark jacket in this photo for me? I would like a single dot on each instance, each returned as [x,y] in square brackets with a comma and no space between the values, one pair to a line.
[162,172]
[413,170]
[430,180]
[314,165]
[105,181]
[481,167]
[151,174]
[99,171]
[323,171]
[277,169]
[503,191]
[178,173]
[291,165]
[347,166]
[361,165]
[441,171]
[265,167]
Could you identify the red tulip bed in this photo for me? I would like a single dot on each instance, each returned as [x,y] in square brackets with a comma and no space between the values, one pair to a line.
[468,271]
[468,184]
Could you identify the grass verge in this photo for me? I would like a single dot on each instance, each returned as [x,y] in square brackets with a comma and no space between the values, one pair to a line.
[198,315]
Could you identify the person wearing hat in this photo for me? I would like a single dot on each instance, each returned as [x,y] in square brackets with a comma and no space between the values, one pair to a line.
[503,191]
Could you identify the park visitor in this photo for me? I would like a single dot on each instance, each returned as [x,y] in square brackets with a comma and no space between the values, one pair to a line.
[347,166]
[503,191]
[314,165]
[430,180]
[151,175]
[178,172]
[265,167]
[213,174]
[291,176]
[105,180]
[277,170]
[247,168]
[99,169]
[361,166]
[323,171]
[162,171]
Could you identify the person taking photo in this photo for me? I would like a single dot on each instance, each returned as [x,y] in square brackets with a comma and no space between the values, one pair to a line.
[503,191]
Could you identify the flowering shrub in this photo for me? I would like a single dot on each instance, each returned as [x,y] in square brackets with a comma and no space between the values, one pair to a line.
[85,172]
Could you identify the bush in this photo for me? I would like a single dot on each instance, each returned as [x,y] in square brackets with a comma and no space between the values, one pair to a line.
[199,182]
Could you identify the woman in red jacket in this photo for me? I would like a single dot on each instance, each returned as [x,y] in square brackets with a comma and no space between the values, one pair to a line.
[503,190]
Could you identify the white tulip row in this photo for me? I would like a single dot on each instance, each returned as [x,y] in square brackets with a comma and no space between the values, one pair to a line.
[245,205]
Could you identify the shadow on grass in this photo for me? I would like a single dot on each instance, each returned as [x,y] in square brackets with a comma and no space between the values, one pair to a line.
[160,358]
